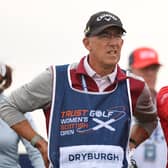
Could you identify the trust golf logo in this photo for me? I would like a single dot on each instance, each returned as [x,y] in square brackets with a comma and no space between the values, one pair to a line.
[85,121]
[103,119]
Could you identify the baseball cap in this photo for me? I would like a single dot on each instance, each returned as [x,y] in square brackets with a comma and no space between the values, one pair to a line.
[100,21]
[143,57]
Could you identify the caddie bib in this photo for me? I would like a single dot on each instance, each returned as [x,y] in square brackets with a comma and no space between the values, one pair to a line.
[88,129]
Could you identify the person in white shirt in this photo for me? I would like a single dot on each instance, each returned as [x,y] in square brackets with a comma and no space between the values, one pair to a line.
[9,139]
[144,61]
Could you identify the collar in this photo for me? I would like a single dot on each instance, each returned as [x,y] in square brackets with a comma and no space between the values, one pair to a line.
[111,77]
[83,68]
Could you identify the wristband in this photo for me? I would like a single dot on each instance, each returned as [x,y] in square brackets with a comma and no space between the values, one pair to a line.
[35,139]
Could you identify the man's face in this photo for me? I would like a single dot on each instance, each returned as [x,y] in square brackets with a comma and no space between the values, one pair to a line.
[149,74]
[105,48]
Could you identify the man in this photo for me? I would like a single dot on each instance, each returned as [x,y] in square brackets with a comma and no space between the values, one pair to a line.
[91,104]
[144,61]
[162,105]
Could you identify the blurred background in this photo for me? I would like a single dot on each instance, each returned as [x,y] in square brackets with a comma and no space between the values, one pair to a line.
[35,34]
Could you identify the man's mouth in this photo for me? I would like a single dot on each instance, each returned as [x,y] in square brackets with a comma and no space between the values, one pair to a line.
[112,52]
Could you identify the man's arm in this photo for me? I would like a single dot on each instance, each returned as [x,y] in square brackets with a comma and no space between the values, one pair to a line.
[25,130]
[29,97]
[145,118]
[138,135]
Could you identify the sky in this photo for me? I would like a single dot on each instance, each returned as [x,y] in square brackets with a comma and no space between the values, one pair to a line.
[35,34]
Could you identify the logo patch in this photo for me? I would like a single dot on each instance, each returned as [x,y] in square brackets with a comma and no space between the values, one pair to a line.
[85,121]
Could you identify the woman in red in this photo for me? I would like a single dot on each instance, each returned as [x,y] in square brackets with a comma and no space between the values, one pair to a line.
[162,105]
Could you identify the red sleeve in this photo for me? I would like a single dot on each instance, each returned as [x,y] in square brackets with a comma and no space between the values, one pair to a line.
[162,103]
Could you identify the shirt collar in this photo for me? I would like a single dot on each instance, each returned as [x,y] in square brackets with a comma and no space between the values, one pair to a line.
[111,77]
[81,69]
[88,69]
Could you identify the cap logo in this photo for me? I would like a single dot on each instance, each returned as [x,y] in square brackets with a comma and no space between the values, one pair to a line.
[106,17]
[147,54]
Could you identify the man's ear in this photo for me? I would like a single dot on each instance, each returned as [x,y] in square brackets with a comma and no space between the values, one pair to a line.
[86,43]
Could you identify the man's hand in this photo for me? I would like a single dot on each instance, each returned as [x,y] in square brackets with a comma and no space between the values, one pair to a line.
[34,138]
[42,145]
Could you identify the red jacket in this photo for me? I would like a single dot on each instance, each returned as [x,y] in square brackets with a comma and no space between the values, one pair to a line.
[162,105]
